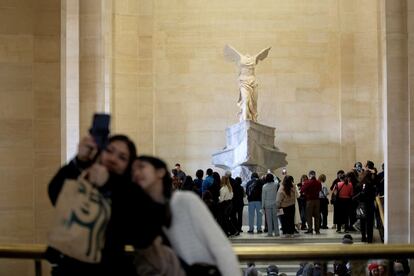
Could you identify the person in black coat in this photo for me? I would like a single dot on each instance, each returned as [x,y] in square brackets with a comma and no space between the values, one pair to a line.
[128,205]
[215,188]
[238,203]
[380,182]
[354,204]
[302,202]
[188,184]
[366,199]
[254,196]
[334,185]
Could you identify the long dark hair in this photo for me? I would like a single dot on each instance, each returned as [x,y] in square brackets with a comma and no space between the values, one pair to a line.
[346,178]
[287,184]
[217,179]
[166,182]
[269,178]
[131,148]
[188,183]
[352,178]
[303,177]
[159,164]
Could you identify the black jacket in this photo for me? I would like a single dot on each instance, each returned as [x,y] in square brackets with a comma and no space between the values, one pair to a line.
[254,190]
[135,219]
[238,196]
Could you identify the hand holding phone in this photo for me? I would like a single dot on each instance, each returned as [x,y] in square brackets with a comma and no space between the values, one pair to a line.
[100,129]
[87,149]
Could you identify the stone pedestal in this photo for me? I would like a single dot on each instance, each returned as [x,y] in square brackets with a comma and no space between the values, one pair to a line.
[249,148]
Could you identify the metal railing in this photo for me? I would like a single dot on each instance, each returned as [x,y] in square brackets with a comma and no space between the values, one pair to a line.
[34,252]
[259,252]
[254,252]
[379,214]
[322,252]
[380,205]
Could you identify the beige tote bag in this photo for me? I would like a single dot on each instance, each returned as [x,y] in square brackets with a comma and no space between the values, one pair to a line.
[81,216]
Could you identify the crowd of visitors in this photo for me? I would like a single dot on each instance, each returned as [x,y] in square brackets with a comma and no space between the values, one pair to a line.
[289,207]
[183,227]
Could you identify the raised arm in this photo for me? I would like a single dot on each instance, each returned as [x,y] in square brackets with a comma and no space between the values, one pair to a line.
[86,152]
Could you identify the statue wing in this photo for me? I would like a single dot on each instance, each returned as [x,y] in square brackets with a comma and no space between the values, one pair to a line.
[231,54]
[262,55]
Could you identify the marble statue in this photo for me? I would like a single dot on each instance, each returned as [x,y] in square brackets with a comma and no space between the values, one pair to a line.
[250,147]
[247,81]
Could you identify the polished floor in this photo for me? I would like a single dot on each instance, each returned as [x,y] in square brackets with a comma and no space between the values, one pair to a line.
[325,236]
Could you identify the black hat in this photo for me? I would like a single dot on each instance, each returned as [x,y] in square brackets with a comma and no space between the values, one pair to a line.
[347,239]
[272,270]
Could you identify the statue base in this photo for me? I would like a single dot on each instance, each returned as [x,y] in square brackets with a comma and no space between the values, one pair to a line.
[249,148]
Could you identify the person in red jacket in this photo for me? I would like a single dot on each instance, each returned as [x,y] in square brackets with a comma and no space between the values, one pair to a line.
[311,189]
[345,192]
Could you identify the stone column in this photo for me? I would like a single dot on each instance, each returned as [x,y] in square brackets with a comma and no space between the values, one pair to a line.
[397,123]
[410,26]
[94,70]
[69,78]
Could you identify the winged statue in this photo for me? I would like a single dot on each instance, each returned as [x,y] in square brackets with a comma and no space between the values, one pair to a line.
[248,93]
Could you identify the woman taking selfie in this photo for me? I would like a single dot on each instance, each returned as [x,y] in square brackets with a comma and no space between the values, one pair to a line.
[109,171]
[192,231]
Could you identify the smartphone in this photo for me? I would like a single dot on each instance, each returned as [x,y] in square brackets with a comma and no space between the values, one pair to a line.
[100,129]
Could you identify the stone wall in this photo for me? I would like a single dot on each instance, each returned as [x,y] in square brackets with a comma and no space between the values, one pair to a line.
[132,48]
[172,91]
[360,96]
[29,119]
[175,94]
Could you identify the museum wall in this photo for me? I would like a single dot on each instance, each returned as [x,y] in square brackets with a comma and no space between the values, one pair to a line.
[29,119]
[132,72]
[175,94]
[158,66]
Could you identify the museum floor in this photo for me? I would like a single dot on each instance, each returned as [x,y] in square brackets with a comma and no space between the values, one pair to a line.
[326,236]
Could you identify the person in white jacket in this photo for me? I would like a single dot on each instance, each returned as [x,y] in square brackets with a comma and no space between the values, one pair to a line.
[193,233]
[269,193]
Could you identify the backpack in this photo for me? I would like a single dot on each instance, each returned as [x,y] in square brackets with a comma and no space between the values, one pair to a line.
[253,190]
